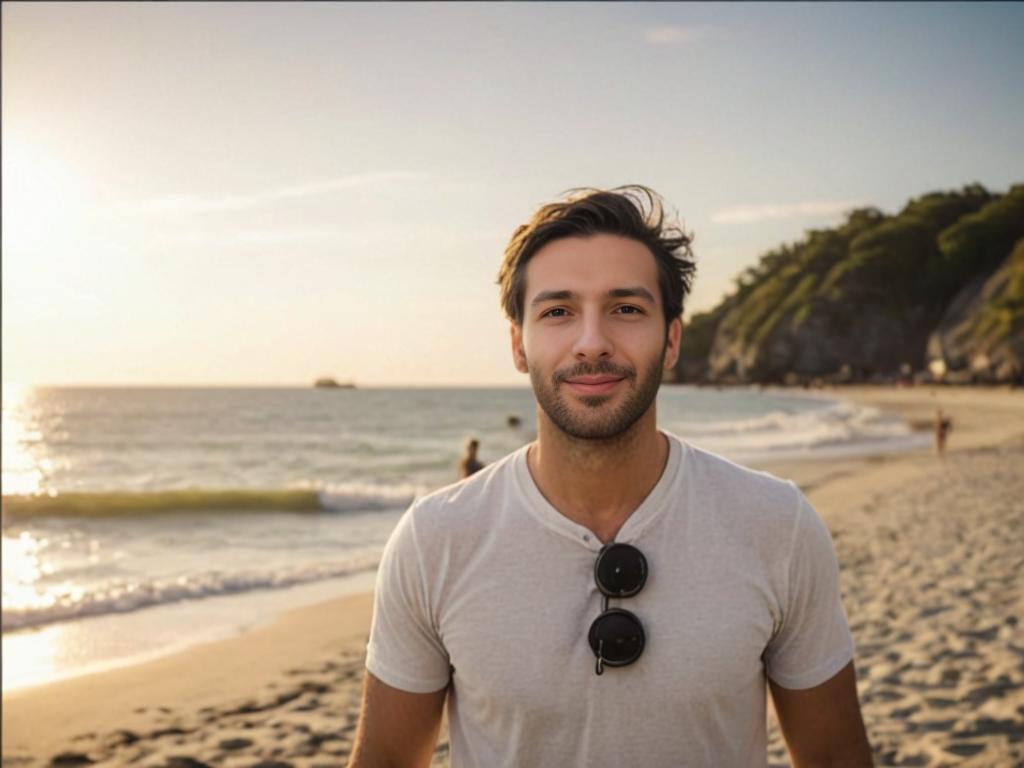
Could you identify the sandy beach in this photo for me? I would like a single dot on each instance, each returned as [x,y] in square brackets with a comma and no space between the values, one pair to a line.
[932,562]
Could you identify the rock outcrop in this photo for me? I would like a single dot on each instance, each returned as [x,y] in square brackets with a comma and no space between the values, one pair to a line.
[982,332]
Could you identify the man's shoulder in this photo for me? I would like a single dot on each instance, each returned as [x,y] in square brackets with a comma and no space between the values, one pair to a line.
[739,507]
[734,485]
[713,466]
[462,501]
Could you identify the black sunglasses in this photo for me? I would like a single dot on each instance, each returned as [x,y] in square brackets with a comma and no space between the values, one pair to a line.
[617,636]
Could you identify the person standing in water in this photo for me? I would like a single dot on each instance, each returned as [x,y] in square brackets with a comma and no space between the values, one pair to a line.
[469,463]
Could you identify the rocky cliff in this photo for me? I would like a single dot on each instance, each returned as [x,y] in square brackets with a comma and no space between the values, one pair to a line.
[981,336]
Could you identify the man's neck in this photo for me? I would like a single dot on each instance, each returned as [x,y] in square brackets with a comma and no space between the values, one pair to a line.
[598,483]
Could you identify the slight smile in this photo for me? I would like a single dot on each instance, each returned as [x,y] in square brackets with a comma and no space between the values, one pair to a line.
[593,385]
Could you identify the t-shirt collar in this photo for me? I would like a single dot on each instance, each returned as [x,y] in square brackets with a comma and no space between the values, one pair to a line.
[649,510]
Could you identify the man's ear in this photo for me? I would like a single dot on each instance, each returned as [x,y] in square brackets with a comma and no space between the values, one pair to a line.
[675,331]
[518,353]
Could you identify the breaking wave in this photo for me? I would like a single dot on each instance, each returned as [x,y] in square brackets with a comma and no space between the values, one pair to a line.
[126,597]
[347,497]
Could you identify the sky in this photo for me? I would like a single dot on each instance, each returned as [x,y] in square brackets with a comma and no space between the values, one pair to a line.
[263,194]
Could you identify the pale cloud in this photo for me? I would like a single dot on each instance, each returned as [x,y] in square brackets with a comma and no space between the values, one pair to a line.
[206,204]
[349,236]
[817,209]
[675,34]
[256,237]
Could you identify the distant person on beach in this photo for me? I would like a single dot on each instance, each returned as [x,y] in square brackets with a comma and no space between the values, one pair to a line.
[608,594]
[943,426]
[469,463]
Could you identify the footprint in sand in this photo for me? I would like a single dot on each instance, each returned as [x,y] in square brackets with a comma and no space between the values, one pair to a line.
[233,744]
[68,759]
[184,761]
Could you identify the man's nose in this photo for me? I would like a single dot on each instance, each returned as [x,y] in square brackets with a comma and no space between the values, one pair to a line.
[593,341]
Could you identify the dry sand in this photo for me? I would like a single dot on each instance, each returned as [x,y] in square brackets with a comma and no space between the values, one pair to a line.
[932,558]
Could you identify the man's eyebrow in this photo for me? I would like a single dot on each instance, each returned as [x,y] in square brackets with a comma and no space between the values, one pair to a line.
[638,292]
[543,296]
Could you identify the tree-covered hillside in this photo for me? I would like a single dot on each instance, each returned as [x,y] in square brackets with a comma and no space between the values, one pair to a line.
[876,297]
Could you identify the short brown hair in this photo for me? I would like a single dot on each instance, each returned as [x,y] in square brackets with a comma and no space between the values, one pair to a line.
[631,211]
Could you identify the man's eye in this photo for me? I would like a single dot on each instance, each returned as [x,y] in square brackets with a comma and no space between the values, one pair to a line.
[629,309]
[555,312]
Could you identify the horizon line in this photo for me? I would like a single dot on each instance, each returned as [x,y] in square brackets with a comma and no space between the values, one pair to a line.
[250,385]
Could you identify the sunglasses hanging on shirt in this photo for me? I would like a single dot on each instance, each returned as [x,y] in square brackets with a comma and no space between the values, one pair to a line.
[617,636]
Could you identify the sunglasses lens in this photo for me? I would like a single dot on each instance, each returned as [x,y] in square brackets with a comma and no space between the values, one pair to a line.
[620,570]
[617,637]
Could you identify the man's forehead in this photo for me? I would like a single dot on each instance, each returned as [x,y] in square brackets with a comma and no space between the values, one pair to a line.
[599,263]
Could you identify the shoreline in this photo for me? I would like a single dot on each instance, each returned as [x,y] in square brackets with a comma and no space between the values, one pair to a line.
[980,420]
[289,690]
[94,644]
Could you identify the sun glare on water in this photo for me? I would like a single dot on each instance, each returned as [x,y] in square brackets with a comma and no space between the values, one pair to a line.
[27,659]
[22,473]
[29,656]
[22,568]
[32,656]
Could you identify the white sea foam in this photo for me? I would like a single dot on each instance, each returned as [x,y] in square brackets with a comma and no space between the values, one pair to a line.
[125,597]
[345,497]
[833,425]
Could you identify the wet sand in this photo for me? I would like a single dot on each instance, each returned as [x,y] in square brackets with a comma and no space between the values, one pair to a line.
[932,558]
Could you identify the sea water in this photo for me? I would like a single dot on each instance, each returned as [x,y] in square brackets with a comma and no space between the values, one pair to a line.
[139,520]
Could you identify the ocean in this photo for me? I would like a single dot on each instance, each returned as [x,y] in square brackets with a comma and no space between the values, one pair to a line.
[140,520]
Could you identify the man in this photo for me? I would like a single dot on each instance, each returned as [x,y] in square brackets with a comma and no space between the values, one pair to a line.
[607,595]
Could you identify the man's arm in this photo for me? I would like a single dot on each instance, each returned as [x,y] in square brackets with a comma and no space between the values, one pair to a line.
[822,725]
[396,728]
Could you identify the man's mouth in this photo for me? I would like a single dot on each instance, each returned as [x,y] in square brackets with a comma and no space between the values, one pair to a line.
[593,385]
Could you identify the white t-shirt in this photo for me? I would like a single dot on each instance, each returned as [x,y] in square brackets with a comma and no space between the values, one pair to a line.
[486,585]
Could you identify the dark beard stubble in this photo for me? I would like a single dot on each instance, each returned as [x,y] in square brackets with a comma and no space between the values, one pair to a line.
[595,426]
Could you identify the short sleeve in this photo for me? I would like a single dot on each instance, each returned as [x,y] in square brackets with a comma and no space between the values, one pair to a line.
[813,642]
[404,650]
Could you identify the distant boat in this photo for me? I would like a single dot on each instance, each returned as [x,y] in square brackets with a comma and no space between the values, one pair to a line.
[333,384]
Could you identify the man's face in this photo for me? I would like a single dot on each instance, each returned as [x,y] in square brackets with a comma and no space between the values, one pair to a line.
[593,335]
